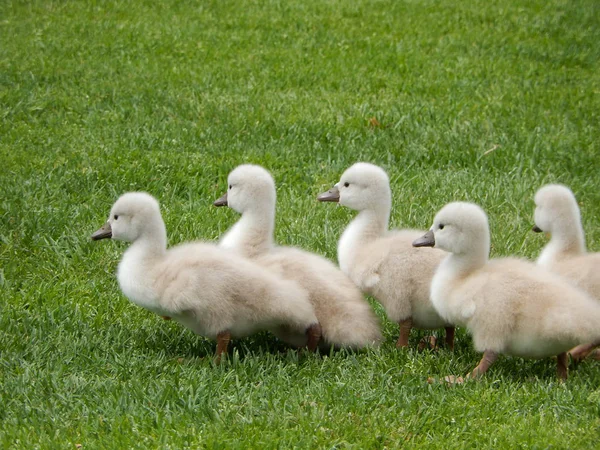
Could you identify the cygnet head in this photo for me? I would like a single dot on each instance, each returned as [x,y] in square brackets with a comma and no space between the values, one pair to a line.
[460,228]
[555,208]
[133,215]
[249,186]
[363,186]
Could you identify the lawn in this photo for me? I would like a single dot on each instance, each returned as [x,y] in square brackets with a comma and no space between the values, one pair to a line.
[482,101]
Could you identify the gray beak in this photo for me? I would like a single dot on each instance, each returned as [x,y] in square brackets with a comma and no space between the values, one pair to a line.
[536,229]
[221,201]
[103,233]
[427,240]
[332,195]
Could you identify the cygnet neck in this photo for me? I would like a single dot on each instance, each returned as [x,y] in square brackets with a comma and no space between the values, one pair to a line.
[567,239]
[372,223]
[473,257]
[367,226]
[152,242]
[463,264]
[252,235]
[137,273]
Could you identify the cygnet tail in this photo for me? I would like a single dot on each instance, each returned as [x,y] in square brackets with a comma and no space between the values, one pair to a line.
[294,307]
[578,324]
[588,327]
[354,325]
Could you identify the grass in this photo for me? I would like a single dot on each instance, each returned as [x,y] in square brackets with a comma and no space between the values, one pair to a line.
[481,101]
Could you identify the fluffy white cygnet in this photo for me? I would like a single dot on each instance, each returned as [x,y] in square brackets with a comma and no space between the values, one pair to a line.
[382,262]
[214,292]
[557,214]
[346,318]
[509,306]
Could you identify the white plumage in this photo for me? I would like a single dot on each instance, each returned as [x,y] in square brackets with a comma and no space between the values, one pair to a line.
[509,306]
[557,213]
[346,318]
[383,263]
[212,291]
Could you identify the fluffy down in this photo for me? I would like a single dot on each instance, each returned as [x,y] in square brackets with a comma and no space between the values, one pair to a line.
[557,213]
[508,305]
[346,318]
[207,289]
[383,263]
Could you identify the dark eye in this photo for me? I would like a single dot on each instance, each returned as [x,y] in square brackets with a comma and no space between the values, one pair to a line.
[346,184]
[116,216]
[441,226]
[230,186]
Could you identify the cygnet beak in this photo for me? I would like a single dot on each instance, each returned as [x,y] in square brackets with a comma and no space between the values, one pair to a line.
[103,233]
[332,195]
[427,240]
[536,229]
[221,201]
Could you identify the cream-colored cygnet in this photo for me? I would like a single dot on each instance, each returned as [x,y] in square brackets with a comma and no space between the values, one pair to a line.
[382,262]
[212,291]
[557,214]
[346,318]
[509,306]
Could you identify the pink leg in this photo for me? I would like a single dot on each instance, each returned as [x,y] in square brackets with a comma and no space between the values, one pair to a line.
[450,337]
[486,361]
[489,357]
[313,335]
[405,327]
[223,339]
[583,351]
[562,364]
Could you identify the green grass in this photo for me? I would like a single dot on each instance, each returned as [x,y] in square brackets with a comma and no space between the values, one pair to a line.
[100,98]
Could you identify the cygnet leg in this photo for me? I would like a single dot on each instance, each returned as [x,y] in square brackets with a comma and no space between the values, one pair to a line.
[489,357]
[583,351]
[562,364]
[405,327]
[313,335]
[223,339]
[450,337]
